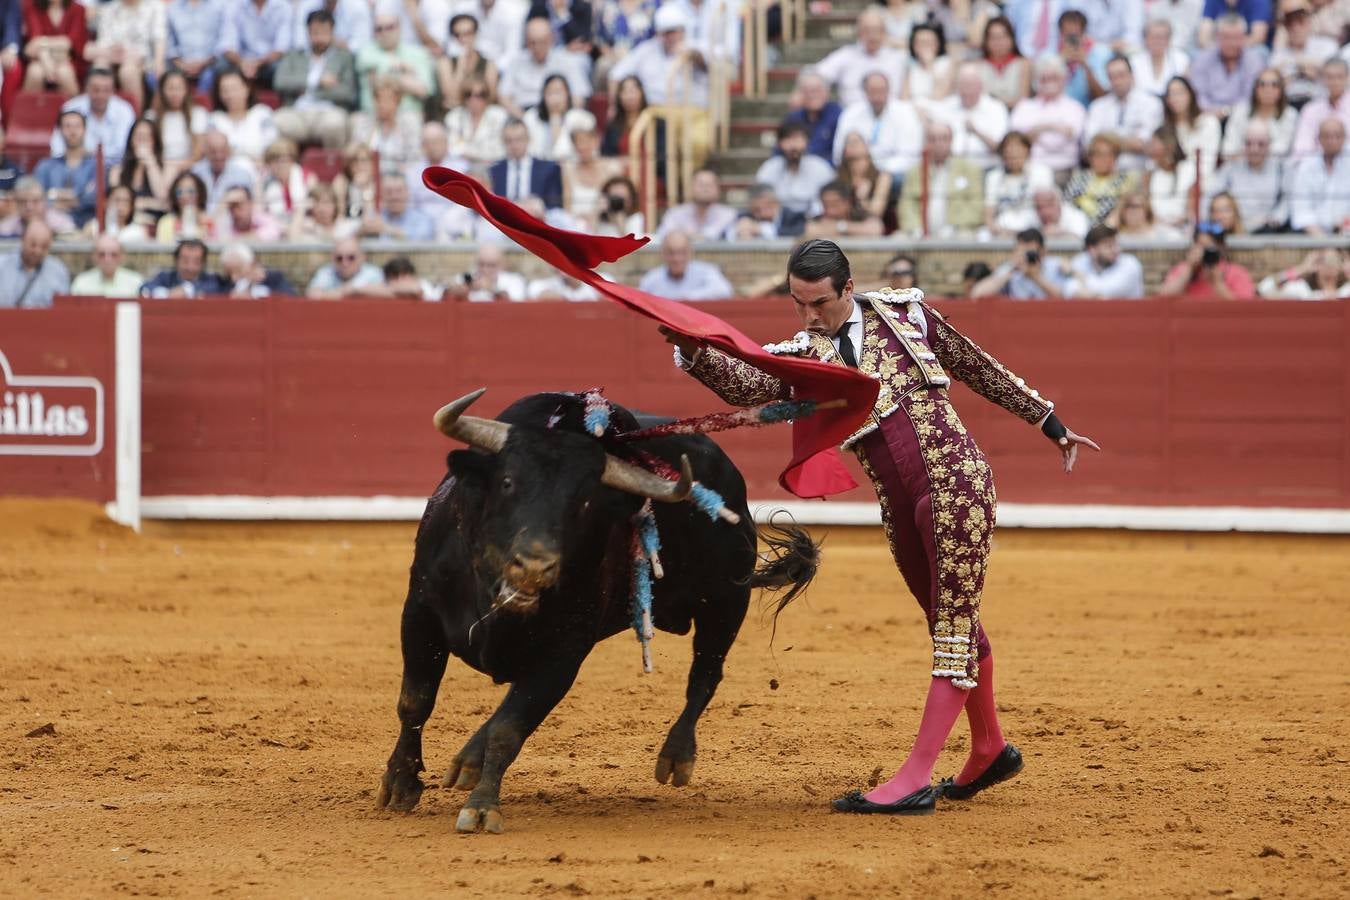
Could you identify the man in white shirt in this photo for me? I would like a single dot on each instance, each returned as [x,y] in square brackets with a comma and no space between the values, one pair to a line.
[846,67]
[891,127]
[524,72]
[1334,103]
[796,176]
[107,118]
[1102,272]
[435,152]
[654,62]
[108,278]
[1301,54]
[1256,180]
[978,121]
[1319,191]
[704,216]
[714,28]
[682,277]
[501,25]
[1126,112]
[1056,219]
[489,282]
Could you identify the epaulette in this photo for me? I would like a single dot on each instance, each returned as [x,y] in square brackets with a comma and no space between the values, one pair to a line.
[799,343]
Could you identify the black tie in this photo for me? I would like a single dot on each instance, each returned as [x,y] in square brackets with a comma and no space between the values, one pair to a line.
[846,347]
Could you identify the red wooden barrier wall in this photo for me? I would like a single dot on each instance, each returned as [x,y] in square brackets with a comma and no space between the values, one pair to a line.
[1197,403]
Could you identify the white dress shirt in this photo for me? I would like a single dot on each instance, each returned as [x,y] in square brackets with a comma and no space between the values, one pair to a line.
[988,115]
[1123,279]
[847,67]
[649,62]
[518,173]
[895,137]
[1137,116]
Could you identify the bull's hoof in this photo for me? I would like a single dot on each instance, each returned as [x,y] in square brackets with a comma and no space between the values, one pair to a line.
[461,777]
[399,791]
[675,773]
[472,820]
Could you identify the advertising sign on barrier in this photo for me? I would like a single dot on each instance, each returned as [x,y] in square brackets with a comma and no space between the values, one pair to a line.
[49,415]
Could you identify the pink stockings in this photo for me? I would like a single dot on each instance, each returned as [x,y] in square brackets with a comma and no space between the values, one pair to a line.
[940,711]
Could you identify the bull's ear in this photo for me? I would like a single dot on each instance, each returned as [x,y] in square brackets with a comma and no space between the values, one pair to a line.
[469,463]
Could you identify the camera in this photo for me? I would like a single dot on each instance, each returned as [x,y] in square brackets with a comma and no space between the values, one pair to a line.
[1033,257]
[617,202]
[1210,257]
[467,278]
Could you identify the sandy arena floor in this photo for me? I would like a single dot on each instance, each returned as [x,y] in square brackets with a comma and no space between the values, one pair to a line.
[223,704]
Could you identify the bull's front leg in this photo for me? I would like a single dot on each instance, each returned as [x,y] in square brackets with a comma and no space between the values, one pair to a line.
[424,657]
[528,702]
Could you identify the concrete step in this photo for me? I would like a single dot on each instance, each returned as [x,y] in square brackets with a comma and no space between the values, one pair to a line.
[836,27]
[808,52]
[760,133]
[739,162]
[771,106]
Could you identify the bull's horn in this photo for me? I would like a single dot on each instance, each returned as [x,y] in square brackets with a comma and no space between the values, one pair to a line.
[486,434]
[635,480]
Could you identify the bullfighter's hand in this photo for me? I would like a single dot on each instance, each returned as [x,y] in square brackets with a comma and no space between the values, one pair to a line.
[688,346]
[1068,448]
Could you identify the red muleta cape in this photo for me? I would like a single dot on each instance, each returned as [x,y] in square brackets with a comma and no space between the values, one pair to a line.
[816,469]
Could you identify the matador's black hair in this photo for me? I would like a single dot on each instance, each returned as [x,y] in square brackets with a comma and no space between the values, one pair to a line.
[818,258]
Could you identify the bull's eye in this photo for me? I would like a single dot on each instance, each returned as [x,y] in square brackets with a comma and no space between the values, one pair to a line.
[507,484]
[585,506]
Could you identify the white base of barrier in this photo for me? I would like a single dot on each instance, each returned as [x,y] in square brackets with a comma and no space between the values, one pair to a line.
[1010,515]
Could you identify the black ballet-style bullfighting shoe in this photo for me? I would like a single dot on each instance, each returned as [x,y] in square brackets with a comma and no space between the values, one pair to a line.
[922,802]
[1005,766]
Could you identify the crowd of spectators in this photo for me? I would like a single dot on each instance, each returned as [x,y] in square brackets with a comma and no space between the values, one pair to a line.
[1032,120]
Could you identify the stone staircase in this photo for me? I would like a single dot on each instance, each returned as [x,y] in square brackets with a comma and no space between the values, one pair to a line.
[755,121]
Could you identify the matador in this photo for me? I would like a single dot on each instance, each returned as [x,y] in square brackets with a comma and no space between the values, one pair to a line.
[934,486]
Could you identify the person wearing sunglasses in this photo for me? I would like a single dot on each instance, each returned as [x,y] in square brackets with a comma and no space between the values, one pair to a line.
[347,275]
[902,272]
[463,62]
[1206,272]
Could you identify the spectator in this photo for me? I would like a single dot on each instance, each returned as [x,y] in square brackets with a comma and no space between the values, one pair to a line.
[1133,218]
[1032,24]
[900,17]
[347,275]
[871,187]
[1255,17]
[1319,188]
[131,43]
[765,218]
[524,72]
[188,278]
[560,287]
[977,120]
[425,24]
[1224,212]
[317,87]
[255,35]
[1006,72]
[389,129]
[181,122]
[1161,59]
[321,221]
[219,171]
[1182,18]
[1197,132]
[1256,181]
[847,66]
[681,277]
[585,176]
[1335,104]
[30,202]
[143,170]
[620,216]
[573,29]
[1027,275]
[629,101]
[435,144]
[552,122]
[119,218]
[70,179]
[1301,55]
[811,106]
[1206,272]
[285,183]
[463,62]
[1331,18]
[1084,59]
[795,176]
[1007,190]
[187,218]
[1102,271]
[715,29]
[9,169]
[108,277]
[355,187]
[891,127]
[406,63]
[954,193]
[928,77]
[656,61]
[247,123]
[620,25]
[245,277]
[971,275]
[107,118]
[841,216]
[704,216]
[29,278]
[1321,276]
[401,281]
[520,175]
[501,25]
[1224,74]
[1116,26]
[1052,120]
[1125,112]
[398,220]
[1170,179]
[1269,106]
[193,31]
[475,126]
[243,221]
[57,34]
[351,22]
[901,272]
[489,282]
[1055,219]
[1097,188]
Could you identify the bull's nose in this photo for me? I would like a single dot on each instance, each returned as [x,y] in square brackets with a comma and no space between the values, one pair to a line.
[533,569]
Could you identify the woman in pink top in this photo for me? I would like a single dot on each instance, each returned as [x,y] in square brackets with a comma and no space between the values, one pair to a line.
[1052,119]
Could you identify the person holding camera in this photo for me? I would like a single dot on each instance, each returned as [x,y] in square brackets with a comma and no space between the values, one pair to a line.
[1206,272]
[1028,274]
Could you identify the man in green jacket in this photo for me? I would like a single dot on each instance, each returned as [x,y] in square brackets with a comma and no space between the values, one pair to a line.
[317,87]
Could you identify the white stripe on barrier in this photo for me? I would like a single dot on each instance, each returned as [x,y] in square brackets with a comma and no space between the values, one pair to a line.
[1010,515]
[126,509]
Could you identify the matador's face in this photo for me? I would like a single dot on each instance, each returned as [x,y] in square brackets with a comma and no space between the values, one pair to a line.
[821,308]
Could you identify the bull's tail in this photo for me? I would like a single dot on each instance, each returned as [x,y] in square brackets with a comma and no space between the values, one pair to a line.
[790,563]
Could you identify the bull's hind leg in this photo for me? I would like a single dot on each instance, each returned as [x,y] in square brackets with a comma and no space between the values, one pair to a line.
[530,699]
[715,628]
[424,657]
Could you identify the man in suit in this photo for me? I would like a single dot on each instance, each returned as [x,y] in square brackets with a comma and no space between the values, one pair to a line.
[955,189]
[521,175]
[933,483]
[317,87]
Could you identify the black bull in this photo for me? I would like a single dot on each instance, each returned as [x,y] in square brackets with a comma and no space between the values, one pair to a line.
[524,561]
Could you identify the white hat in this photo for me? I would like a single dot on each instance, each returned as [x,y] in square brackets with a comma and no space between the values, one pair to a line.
[670,17]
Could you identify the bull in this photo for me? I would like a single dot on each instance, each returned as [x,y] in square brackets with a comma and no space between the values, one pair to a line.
[524,561]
